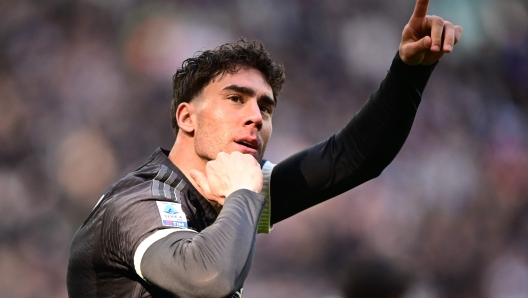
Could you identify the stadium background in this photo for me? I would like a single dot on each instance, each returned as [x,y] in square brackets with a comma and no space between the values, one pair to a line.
[85,88]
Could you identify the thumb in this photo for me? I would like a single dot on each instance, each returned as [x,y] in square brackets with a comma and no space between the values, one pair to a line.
[426,42]
[411,49]
[201,181]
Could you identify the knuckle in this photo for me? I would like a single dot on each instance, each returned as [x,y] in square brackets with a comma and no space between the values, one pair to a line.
[437,19]
[406,51]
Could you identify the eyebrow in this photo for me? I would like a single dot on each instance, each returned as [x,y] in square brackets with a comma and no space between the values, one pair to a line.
[250,92]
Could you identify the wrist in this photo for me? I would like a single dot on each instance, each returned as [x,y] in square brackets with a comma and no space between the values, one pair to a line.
[242,193]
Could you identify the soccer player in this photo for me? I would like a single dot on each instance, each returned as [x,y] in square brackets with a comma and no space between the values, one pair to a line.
[184,224]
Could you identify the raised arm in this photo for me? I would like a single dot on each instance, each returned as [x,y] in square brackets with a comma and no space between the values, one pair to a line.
[373,137]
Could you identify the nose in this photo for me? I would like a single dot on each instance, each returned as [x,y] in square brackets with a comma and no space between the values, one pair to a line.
[253,115]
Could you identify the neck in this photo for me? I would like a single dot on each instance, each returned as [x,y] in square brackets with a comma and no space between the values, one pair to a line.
[183,155]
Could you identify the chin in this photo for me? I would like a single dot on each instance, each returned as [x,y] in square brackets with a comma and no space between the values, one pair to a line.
[256,155]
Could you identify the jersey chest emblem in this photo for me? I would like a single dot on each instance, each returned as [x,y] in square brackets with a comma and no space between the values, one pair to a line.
[171,214]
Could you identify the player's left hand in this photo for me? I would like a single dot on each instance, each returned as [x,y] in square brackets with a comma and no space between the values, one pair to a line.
[425,38]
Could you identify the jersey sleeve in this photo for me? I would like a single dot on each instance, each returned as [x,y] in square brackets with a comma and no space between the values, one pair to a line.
[212,263]
[127,220]
[356,154]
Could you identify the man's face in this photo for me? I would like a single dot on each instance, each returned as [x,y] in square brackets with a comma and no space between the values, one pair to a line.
[233,113]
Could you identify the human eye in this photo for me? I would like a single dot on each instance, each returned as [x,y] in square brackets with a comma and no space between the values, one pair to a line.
[266,109]
[235,98]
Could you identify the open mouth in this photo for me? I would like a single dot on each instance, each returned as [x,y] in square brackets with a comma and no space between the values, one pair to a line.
[246,144]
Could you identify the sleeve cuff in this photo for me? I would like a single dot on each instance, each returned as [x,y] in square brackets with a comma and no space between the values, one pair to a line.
[416,76]
[264,226]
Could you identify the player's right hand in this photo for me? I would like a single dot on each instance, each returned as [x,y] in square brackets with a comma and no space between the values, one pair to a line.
[227,173]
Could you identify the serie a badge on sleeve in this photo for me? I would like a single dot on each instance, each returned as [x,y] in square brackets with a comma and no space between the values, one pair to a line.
[172,214]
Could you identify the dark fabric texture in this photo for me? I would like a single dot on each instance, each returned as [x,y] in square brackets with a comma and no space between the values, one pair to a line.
[356,154]
[215,262]
[101,260]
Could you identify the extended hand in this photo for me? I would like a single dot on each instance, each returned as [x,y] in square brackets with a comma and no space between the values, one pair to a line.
[228,173]
[425,39]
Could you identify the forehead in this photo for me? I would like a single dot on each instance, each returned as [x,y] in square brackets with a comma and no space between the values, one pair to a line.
[244,77]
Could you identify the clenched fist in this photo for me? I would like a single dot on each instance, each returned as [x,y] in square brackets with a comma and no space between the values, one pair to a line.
[227,173]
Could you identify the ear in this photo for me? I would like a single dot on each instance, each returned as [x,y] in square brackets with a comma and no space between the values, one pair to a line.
[185,117]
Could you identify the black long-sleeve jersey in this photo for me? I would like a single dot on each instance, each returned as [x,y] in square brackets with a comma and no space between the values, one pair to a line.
[153,235]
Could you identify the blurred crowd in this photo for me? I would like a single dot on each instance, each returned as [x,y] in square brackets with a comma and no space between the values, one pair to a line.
[85,91]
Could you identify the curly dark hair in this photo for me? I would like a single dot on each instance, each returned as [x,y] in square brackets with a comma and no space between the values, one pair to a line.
[197,72]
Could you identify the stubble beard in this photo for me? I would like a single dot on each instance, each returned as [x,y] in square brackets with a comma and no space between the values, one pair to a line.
[209,150]
[207,145]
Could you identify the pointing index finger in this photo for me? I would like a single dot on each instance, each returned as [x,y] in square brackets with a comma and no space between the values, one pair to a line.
[420,10]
